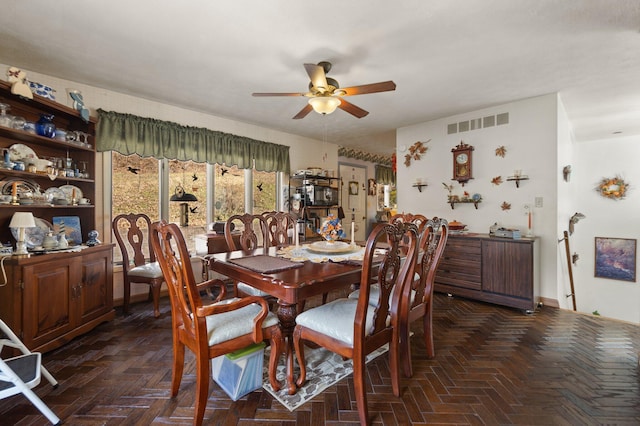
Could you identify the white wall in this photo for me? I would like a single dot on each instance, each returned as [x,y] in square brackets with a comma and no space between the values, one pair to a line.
[593,161]
[530,140]
[539,141]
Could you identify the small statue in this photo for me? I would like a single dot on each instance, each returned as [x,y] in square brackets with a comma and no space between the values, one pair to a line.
[78,104]
[574,219]
[62,240]
[93,238]
[574,258]
[19,84]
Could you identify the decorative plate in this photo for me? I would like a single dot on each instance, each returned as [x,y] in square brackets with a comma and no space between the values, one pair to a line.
[54,192]
[23,186]
[19,151]
[34,236]
[335,247]
[68,192]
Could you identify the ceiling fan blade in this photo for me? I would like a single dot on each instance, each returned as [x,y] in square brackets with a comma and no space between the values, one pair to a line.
[383,86]
[317,76]
[356,111]
[278,94]
[303,112]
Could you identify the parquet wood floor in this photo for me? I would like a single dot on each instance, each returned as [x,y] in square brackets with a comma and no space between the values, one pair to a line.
[493,366]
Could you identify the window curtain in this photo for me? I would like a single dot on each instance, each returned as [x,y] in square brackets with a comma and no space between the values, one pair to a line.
[385,175]
[148,137]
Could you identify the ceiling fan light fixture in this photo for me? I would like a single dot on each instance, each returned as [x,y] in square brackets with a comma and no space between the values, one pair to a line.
[324,104]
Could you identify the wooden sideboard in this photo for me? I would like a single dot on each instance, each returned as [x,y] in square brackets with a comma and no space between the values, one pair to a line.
[490,269]
[216,243]
[50,299]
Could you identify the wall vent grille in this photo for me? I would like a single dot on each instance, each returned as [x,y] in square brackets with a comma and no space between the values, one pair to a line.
[478,123]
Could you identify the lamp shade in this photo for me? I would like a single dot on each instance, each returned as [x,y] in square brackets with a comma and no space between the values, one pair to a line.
[22,220]
[324,104]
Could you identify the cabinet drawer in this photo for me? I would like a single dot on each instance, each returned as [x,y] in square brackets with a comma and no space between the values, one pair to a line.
[463,246]
[459,279]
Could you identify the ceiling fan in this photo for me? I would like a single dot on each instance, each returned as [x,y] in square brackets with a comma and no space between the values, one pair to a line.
[325,94]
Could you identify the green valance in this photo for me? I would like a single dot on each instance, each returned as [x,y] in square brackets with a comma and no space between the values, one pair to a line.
[148,137]
[385,175]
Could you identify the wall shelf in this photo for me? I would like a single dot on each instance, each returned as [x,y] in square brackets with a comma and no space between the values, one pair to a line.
[517,179]
[419,186]
[475,203]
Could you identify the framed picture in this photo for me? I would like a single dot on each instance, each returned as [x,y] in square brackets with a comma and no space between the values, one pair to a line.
[372,187]
[353,187]
[71,226]
[616,258]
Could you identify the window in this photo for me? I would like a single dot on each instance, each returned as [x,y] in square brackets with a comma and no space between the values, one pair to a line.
[137,186]
[229,189]
[264,191]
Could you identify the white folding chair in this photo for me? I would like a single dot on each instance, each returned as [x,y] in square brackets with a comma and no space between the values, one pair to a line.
[22,373]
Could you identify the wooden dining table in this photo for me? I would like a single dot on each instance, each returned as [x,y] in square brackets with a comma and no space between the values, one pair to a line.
[290,286]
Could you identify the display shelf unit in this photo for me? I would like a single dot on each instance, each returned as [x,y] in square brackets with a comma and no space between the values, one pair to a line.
[309,209]
[64,118]
[48,299]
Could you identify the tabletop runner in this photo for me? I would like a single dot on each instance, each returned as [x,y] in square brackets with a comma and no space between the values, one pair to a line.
[265,264]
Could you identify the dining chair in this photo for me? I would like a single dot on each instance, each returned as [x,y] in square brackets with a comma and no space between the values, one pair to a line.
[354,328]
[139,264]
[419,303]
[20,374]
[418,219]
[281,227]
[211,330]
[253,234]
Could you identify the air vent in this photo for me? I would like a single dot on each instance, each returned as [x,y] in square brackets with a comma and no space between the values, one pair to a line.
[478,123]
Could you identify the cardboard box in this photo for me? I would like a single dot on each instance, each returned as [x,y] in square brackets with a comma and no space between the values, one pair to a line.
[239,373]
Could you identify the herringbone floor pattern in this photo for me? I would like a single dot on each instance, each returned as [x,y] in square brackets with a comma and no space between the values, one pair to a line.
[493,366]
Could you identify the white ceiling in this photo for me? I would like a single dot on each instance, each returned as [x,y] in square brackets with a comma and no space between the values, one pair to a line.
[446,57]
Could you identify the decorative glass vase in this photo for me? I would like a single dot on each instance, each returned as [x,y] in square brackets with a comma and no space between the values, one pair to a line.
[45,126]
[5,119]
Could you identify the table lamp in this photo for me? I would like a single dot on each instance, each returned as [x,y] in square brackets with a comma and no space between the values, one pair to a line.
[22,220]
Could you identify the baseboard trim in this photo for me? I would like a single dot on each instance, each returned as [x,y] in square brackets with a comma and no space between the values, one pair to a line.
[553,303]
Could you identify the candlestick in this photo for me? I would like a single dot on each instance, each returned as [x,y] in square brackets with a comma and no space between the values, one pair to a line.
[14,193]
[297,232]
[353,230]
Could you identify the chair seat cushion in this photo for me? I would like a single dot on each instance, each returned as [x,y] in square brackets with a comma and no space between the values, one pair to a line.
[229,325]
[148,270]
[334,319]
[251,291]
[374,295]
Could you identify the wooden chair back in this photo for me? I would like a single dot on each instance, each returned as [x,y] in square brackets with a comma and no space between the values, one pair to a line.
[417,219]
[419,295]
[253,231]
[374,325]
[281,228]
[189,316]
[132,234]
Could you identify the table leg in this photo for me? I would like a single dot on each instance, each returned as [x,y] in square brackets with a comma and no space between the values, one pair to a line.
[287,315]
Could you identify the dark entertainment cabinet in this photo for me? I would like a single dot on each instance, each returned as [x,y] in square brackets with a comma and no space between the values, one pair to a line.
[490,269]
